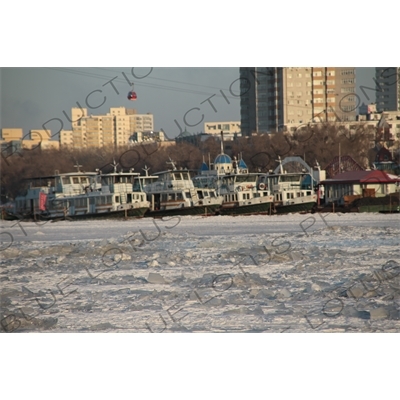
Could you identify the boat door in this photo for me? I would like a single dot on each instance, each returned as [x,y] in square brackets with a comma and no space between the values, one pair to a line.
[92,205]
[156,201]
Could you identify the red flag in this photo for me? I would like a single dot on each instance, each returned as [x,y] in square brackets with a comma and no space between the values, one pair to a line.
[42,201]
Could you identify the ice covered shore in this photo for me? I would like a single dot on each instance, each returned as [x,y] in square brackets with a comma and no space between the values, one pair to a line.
[289,273]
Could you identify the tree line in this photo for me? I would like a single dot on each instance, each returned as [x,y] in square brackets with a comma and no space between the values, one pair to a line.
[260,152]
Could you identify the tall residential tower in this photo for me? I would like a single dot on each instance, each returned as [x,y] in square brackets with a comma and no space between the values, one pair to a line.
[274,97]
[387,88]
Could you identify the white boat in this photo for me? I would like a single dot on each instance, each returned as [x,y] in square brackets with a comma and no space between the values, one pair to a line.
[238,187]
[80,195]
[293,191]
[172,192]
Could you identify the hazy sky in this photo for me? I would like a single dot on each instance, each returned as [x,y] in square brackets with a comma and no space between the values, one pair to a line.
[32,96]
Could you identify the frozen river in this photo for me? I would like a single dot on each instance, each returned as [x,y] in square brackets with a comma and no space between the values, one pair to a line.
[288,273]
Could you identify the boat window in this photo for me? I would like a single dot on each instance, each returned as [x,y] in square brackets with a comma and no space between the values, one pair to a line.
[171,196]
[136,186]
[163,197]
[308,193]
[65,180]
[178,176]
[187,195]
[200,194]
[290,178]
[84,179]
[117,199]
[179,196]
[205,194]
[75,180]
[298,194]
[142,197]
[246,178]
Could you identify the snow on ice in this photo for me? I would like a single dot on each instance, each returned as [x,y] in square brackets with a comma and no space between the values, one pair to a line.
[288,273]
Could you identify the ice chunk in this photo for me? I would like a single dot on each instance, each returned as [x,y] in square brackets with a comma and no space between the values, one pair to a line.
[154,263]
[379,313]
[155,278]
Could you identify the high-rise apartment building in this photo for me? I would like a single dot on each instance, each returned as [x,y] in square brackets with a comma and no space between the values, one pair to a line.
[272,98]
[387,81]
[113,129]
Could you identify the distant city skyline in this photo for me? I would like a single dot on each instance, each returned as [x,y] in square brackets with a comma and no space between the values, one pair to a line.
[177,97]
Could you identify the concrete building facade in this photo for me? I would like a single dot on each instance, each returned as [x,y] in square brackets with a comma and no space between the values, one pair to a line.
[273,97]
[387,80]
[215,128]
[113,129]
[13,139]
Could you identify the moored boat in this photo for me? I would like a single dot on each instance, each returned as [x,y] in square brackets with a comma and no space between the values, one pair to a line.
[293,191]
[237,186]
[82,195]
[172,192]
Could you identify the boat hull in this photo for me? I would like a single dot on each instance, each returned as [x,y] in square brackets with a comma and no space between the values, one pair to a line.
[260,208]
[196,210]
[119,214]
[294,208]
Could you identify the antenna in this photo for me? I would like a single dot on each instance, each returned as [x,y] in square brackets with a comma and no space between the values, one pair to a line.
[77,166]
[172,163]
[146,170]
[114,164]
[280,164]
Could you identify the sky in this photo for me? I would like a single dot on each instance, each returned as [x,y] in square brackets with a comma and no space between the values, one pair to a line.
[177,97]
